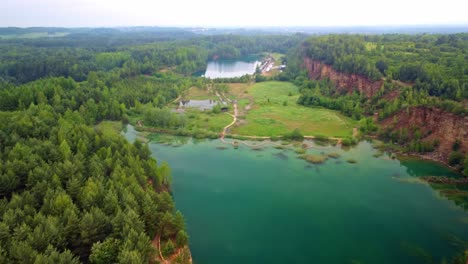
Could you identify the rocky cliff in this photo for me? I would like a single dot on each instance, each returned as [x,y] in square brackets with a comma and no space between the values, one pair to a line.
[434,124]
[343,81]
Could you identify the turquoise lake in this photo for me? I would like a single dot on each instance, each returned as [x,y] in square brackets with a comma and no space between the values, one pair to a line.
[267,206]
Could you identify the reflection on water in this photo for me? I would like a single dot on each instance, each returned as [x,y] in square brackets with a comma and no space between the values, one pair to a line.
[229,69]
[200,104]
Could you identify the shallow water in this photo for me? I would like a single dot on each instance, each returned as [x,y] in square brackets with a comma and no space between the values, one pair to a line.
[247,206]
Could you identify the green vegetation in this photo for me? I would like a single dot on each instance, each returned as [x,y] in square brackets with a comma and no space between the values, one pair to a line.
[414,71]
[315,159]
[82,51]
[109,127]
[333,155]
[433,64]
[269,116]
[210,122]
[72,193]
[74,190]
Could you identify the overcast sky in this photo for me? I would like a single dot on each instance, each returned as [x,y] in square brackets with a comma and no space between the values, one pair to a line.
[216,13]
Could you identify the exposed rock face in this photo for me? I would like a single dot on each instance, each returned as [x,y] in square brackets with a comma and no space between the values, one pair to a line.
[434,123]
[444,126]
[343,81]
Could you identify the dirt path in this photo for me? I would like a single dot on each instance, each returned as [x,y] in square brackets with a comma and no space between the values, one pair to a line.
[231,124]
[157,244]
[267,140]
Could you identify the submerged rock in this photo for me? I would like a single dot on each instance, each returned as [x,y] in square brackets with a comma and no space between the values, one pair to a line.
[281,155]
[315,159]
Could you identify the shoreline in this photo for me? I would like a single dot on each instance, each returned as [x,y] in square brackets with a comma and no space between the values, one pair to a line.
[272,140]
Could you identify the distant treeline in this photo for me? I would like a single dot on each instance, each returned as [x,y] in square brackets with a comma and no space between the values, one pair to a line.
[435,64]
[77,54]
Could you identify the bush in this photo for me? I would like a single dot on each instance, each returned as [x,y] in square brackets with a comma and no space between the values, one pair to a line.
[333,155]
[321,138]
[465,166]
[456,145]
[168,248]
[300,151]
[216,109]
[455,158]
[315,159]
[295,135]
[181,238]
[349,141]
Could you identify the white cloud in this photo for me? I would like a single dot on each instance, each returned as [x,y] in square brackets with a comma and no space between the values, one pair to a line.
[230,13]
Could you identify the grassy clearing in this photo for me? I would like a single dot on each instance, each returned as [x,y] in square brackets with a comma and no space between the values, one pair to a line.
[195,93]
[277,57]
[239,90]
[276,113]
[110,127]
[242,103]
[207,121]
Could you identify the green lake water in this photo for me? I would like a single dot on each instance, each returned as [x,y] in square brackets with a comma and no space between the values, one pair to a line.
[268,206]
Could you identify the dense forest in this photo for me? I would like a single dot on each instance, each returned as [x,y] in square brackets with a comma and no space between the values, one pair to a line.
[414,70]
[435,64]
[72,190]
[73,193]
[77,54]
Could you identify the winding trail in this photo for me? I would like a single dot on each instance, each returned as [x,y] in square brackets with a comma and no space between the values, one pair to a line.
[157,244]
[231,124]
[267,140]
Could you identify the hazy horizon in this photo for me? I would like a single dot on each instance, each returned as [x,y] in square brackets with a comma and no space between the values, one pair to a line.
[242,13]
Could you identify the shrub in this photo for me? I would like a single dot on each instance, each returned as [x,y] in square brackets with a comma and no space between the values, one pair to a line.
[456,145]
[348,141]
[168,248]
[455,158]
[295,135]
[333,155]
[316,159]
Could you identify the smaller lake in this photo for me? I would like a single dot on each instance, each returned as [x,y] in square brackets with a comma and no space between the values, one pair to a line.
[230,68]
[200,104]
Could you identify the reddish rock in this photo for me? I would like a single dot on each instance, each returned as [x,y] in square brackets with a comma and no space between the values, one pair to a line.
[343,81]
[434,123]
[444,126]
